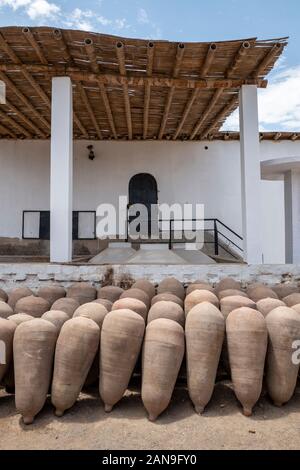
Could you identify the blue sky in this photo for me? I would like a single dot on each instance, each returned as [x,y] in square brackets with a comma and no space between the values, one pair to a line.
[188,20]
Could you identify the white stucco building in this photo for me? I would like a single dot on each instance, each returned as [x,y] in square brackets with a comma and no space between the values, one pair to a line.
[248,182]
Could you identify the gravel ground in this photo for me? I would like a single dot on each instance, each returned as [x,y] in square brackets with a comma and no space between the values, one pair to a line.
[222,426]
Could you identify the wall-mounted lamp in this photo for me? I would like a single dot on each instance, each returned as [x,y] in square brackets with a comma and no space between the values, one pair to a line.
[91,152]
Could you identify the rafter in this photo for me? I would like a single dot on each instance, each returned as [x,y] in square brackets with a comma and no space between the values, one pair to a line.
[15,125]
[23,118]
[188,107]
[295,136]
[32,41]
[147,91]
[24,99]
[58,36]
[220,116]
[269,57]
[122,68]
[90,50]
[241,53]
[87,104]
[5,131]
[206,113]
[277,136]
[178,61]
[210,54]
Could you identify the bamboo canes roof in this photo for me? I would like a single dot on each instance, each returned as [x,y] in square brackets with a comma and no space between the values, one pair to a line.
[127,88]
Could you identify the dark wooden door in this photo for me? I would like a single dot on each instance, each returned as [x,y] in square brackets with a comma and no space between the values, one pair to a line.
[143,190]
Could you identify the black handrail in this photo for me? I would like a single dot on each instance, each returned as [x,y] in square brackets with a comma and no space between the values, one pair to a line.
[216,234]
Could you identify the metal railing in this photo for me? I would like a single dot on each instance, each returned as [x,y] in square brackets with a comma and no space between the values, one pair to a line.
[222,236]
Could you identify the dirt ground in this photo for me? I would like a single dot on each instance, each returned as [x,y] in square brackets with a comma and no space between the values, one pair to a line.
[222,426]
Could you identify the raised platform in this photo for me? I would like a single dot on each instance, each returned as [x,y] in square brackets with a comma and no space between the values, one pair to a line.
[36,274]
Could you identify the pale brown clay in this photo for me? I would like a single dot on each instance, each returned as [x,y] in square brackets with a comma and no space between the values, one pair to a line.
[96,312]
[265,306]
[163,352]
[121,339]
[146,286]
[247,339]
[76,348]
[296,308]
[230,292]
[19,318]
[259,293]
[291,300]
[51,293]
[164,309]
[198,296]
[227,304]
[3,295]
[5,310]
[17,294]
[204,333]
[130,303]
[252,286]
[283,290]
[106,303]
[34,306]
[173,286]
[111,293]
[227,283]
[7,330]
[136,293]
[199,286]
[56,317]
[9,379]
[34,346]
[283,325]
[66,305]
[168,298]
[82,292]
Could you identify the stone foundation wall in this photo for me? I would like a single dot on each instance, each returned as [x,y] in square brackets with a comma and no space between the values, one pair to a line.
[34,275]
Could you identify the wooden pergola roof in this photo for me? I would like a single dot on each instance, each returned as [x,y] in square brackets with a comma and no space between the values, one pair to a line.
[127,88]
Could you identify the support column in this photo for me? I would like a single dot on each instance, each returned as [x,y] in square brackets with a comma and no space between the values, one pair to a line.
[61,175]
[292,216]
[250,175]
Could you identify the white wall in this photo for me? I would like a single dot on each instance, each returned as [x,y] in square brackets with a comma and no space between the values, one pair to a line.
[185,173]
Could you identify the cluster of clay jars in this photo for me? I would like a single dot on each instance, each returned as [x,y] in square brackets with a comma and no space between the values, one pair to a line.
[60,340]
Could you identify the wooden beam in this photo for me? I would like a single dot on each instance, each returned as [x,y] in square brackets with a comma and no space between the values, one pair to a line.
[210,54]
[89,46]
[15,124]
[5,131]
[87,104]
[147,91]
[24,118]
[244,48]
[90,50]
[220,116]
[134,81]
[269,57]
[108,110]
[45,98]
[178,61]
[206,113]
[294,137]
[122,69]
[277,136]
[58,36]
[261,136]
[188,107]
[24,99]
[80,126]
[31,39]
[8,50]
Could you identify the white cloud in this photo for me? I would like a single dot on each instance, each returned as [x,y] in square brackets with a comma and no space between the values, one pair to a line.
[80,19]
[42,8]
[35,9]
[278,104]
[142,16]
[104,21]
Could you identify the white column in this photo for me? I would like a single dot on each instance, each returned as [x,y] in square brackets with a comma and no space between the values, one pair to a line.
[61,176]
[292,216]
[250,175]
